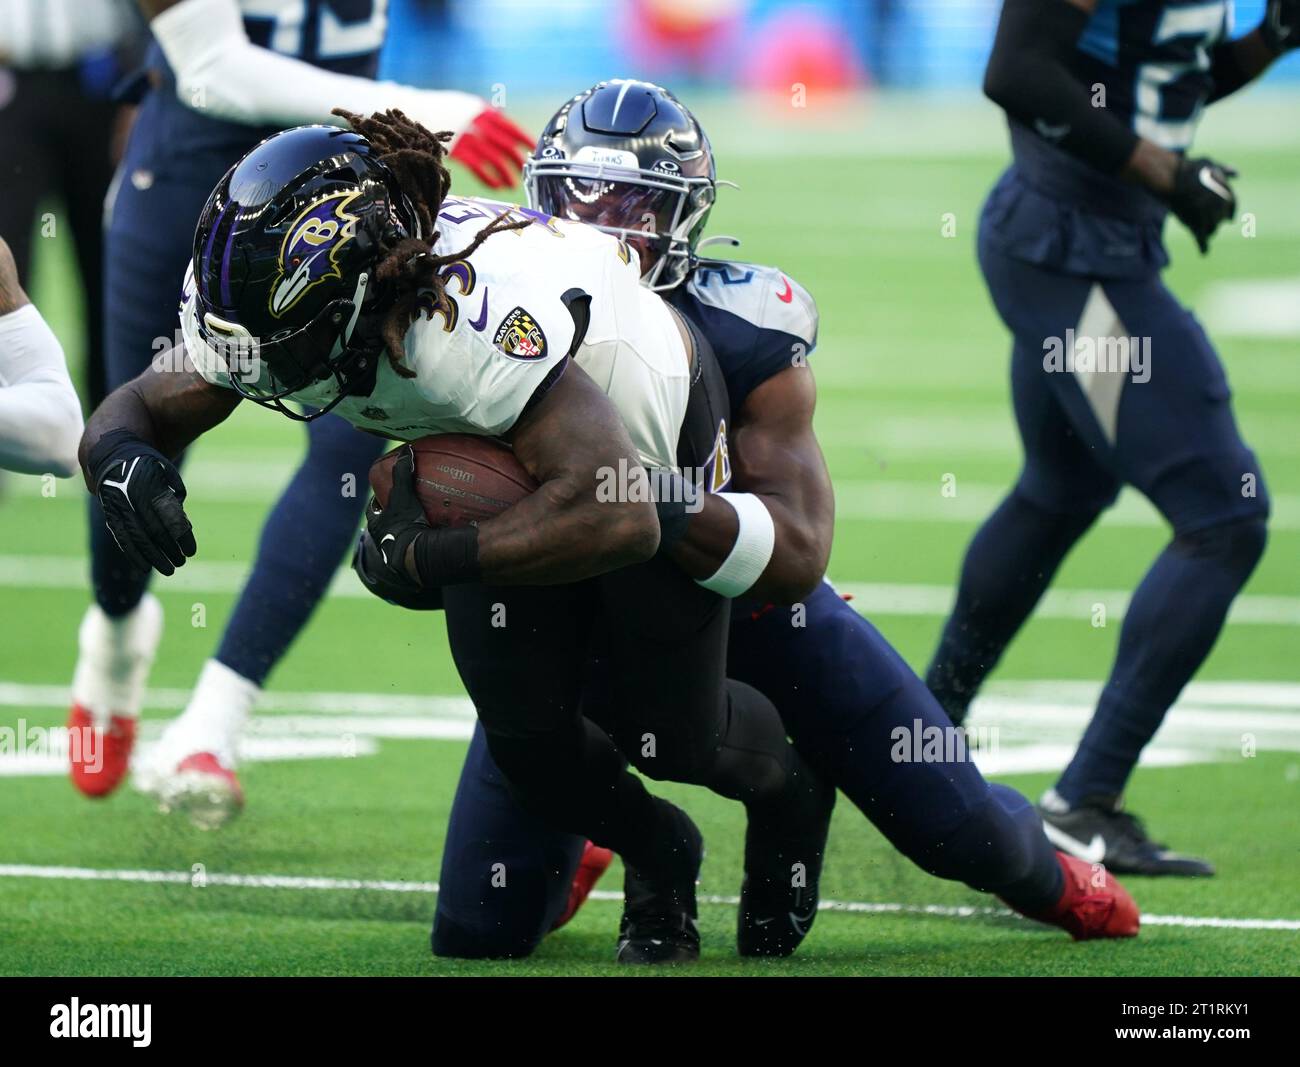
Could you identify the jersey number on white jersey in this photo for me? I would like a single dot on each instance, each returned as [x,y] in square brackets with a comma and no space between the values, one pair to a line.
[344,27]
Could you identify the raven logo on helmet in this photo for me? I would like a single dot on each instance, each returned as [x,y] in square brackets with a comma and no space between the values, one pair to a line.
[309,253]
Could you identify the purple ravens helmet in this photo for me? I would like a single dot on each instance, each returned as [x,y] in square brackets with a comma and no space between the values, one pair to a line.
[284,262]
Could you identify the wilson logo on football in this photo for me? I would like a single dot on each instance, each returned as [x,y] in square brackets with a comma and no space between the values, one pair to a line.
[310,249]
[520,337]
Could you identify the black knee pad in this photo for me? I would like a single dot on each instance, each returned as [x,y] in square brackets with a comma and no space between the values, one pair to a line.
[668,763]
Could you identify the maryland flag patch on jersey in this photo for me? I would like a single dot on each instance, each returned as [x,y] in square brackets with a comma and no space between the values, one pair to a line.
[519,336]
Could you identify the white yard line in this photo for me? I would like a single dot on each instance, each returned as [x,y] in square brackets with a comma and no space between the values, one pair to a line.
[280,881]
[890,598]
[870,598]
[1020,727]
[933,440]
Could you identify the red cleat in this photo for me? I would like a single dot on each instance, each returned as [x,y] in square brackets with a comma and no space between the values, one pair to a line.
[99,758]
[1092,904]
[595,862]
[204,789]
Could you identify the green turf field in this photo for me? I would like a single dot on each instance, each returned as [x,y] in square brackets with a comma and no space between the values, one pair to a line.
[911,365]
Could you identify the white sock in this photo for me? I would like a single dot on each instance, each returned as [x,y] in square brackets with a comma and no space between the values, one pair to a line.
[214,718]
[1053,802]
[114,660]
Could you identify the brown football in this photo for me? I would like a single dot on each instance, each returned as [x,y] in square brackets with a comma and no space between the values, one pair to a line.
[460,479]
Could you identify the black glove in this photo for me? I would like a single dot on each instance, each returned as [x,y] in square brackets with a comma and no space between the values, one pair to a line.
[141,493]
[369,565]
[440,555]
[1202,197]
[1281,25]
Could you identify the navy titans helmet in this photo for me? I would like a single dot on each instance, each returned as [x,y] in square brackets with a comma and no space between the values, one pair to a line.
[284,263]
[628,157]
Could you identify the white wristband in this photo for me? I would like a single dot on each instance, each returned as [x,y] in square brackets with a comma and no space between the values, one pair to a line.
[753,548]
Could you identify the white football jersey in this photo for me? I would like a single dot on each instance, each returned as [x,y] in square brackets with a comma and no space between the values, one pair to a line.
[477,366]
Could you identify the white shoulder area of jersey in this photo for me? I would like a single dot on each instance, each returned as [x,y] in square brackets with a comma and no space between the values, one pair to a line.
[460,218]
[764,296]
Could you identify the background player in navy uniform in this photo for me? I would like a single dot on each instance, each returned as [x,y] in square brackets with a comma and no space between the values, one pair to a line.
[1070,246]
[223,75]
[623,155]
[59,60]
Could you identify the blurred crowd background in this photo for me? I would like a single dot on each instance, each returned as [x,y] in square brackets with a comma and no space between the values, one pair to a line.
[880,77]
[720,44]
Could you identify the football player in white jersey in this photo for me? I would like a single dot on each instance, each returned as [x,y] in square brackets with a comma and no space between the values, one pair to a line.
[223,75]
[320,276]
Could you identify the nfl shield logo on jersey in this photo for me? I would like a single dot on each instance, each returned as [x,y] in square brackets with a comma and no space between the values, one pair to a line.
[520,337]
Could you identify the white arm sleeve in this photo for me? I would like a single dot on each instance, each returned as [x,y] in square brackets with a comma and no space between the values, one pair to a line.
[220,72]
[40,415]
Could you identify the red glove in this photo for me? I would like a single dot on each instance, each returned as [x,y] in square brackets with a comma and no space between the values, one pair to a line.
[489,146]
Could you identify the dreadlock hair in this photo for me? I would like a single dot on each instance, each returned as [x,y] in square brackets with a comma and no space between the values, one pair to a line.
[408,268]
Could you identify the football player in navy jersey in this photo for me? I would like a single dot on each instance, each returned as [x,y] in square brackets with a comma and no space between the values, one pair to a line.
[628,157]
[222,75]
[1113,381]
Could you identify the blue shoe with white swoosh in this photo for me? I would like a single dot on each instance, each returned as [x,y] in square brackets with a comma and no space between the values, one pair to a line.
[1099,830]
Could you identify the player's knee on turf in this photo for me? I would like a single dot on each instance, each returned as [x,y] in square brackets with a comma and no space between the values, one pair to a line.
[454,940]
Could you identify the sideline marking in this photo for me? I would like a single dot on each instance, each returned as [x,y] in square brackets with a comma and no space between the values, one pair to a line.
[281,881]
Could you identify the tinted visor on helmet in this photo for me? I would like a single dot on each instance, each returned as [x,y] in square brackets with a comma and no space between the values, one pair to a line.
[644,215]
[653,213]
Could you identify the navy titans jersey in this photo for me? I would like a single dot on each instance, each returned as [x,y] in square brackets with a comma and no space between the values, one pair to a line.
[1148,63]
[1152,57]
[758,321]
[339,35]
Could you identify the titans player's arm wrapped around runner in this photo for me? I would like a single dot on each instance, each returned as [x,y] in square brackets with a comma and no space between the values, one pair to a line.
[560,533]
[221,73]
[787,501]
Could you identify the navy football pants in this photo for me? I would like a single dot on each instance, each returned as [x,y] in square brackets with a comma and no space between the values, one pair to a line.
[1168,430]
[841,691]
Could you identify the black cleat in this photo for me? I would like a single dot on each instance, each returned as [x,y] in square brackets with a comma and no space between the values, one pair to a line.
[783,866]
[1099,831]
[658,925]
